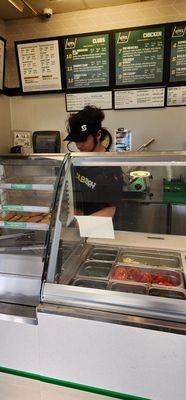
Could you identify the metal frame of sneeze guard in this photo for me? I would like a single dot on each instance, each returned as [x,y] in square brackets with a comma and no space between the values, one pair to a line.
[158,158]
[58,223]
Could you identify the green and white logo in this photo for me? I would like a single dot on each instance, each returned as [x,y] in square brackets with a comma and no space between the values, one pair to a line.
[123,37]
[70,43]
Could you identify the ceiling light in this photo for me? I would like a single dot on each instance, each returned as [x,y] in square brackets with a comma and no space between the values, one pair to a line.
[140,174]
[28,5]
[17,4]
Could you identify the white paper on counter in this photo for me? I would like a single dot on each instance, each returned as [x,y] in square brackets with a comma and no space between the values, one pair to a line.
[95,227]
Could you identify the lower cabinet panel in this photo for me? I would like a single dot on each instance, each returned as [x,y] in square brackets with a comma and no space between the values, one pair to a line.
[21,388]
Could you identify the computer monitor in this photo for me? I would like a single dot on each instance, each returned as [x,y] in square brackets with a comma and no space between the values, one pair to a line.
[46,142]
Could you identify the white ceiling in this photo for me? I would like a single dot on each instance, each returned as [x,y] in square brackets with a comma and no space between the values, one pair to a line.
[8,11]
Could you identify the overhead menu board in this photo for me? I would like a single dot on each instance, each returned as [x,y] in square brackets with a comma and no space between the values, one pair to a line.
[139,98]
[178,54]
[87,61]
[139,56]
[2,60]
[176,96]
[39,65]
[77,101]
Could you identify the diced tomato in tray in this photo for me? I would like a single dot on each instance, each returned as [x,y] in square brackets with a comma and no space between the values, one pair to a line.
[123,273]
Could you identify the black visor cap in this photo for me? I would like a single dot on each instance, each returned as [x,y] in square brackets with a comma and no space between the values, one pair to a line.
[80,133]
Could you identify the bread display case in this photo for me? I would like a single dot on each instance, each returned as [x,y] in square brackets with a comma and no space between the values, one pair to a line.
[28,187]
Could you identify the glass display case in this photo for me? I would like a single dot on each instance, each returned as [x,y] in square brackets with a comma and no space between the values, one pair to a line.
[105,267]
[92,275]
[28,192]
[68,235]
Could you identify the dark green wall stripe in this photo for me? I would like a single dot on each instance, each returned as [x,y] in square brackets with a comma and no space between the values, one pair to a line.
[71,385]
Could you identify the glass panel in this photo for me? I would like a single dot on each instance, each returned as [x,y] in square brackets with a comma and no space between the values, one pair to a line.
[142,200]
[28,187]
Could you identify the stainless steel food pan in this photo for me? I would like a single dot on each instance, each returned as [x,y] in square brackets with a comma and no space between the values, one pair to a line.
[168,292]
[129,288]
[90,283]
[150,258]
[95,269]
[175,277]
[101,253]
[172,276]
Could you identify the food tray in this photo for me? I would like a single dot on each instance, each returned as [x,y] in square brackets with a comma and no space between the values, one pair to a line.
[150,258]
[129,288]
[101,253]
[95,269]
[26,217]
[24,199]
[150,276]
[94,284]
[167,292]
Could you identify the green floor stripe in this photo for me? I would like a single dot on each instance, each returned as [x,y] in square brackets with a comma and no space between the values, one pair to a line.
[71,385]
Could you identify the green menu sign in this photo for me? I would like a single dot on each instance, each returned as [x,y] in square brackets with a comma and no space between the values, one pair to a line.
[178,54]
[139,56]
[87,61]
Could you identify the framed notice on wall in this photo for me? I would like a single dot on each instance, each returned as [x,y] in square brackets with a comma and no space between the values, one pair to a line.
[178,54]
[39,65]
[2,62]
[139,56]
[139,98]
[87,61]
[176,96]
[77,101]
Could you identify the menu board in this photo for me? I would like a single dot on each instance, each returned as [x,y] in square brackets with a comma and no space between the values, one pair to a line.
[176,96]
[178,54]
[77,101]
[39,66]
[139,98]
[139,56]
[87,61]
[2,60]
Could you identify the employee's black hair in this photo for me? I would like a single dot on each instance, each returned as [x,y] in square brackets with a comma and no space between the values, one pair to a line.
[90,115]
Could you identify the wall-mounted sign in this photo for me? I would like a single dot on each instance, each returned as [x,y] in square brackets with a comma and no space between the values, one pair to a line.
[87,61]
[77,101]
[139,98]
[39,65]
[178,54]
[139,56]
[176,96]
[22,138]
[2,61]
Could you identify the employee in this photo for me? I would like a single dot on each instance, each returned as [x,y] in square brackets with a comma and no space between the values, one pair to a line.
[98,189]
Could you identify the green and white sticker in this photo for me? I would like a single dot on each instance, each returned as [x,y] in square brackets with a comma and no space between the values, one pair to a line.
[12,208]
[15,224]
[23,186]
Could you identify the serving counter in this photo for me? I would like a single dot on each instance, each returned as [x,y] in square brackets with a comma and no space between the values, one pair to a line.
[107,316]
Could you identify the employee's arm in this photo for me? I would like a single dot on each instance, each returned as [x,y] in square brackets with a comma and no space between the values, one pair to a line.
[105,212]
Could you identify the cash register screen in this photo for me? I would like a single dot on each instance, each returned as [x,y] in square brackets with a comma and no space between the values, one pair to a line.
[46,142]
